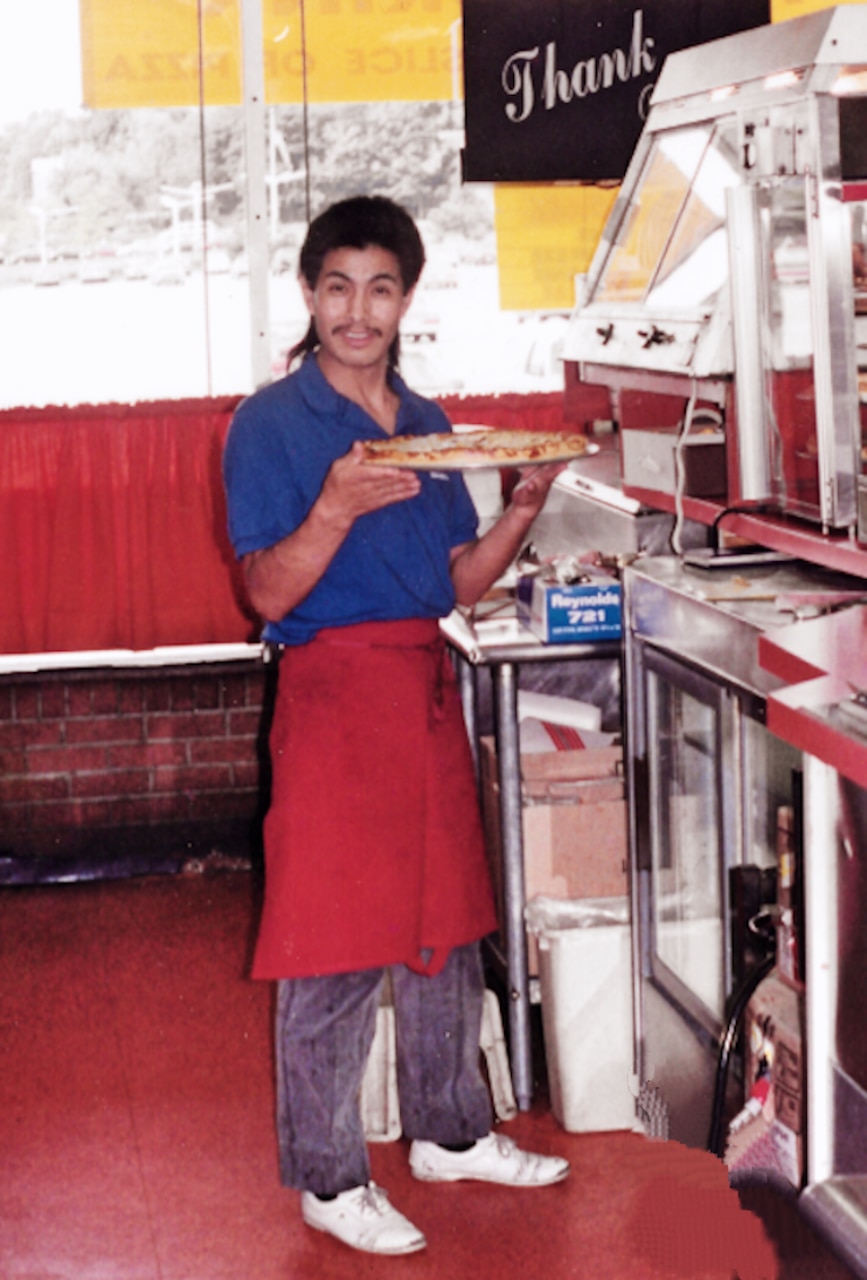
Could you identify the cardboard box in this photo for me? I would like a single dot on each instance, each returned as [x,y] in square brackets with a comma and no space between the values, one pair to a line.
[774,1027]
[581,611]
[574,824]
[585,764]
[774,1031]
[769,1147]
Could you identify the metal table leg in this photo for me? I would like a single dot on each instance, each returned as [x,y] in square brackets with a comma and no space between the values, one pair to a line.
[466,676]
[512,836]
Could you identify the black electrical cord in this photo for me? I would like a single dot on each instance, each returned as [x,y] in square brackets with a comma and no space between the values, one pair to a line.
[739,1004]
[743,509]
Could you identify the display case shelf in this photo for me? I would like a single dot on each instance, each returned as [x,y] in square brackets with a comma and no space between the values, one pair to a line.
[791,537]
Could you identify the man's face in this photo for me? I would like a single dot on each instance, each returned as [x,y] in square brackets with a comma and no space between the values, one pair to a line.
[357,304]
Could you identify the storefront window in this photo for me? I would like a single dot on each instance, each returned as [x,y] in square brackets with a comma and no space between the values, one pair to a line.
[124,263]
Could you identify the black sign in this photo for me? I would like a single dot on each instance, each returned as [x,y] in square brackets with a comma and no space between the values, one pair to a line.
[558,89]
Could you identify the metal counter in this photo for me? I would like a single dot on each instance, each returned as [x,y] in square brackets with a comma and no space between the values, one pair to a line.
[496,639]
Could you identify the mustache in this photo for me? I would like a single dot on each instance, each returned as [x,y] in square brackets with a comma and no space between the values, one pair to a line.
[359,328]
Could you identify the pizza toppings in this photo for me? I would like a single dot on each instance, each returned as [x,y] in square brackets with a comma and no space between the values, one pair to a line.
[484,448]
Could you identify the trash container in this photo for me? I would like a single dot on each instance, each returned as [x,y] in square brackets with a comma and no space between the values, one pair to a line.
[585,978]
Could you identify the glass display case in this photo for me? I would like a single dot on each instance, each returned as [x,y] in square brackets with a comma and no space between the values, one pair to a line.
[708,782]
[731,275]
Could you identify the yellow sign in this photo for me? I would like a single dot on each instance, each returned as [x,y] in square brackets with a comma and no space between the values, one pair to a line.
[379,51]
[546,235]
[151,53]
[782,10]
[145,53]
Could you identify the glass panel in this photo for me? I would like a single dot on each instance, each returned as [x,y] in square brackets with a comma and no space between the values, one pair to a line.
[858,211]
[122,282]
[852,936]
[769,766]
[696,262]
[655,207]
[687,905]
[121,234]
[858,215]
[454,336]
[123,265]
[785,228]
[792,389]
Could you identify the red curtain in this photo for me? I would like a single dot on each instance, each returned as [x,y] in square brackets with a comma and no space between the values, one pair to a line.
[542,411]
[113,522]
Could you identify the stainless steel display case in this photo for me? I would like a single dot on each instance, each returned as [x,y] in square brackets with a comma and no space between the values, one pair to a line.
[706,780]
[730,279]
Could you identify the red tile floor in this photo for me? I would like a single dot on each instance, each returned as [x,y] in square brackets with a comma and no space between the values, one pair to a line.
[136,1136]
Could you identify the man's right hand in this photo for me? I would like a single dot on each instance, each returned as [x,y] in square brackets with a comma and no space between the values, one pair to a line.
[353,487]
[279,577]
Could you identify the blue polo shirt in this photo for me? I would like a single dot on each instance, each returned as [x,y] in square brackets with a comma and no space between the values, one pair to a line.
[394,563]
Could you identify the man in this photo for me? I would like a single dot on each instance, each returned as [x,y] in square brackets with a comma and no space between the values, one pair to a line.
[375,861]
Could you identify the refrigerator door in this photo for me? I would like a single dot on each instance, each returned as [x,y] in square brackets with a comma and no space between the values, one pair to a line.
[691,804]
[714,781]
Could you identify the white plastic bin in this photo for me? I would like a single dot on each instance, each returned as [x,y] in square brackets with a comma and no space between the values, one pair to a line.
[585,977]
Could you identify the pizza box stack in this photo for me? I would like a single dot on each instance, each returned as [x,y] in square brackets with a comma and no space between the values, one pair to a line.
[573,805]
[569,612]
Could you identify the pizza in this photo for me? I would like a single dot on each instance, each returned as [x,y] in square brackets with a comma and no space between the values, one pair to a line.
[458,451]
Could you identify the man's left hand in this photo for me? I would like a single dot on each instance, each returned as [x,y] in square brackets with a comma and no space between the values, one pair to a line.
[532,489]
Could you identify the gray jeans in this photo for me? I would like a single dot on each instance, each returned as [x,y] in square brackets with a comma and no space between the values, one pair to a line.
[324,1031]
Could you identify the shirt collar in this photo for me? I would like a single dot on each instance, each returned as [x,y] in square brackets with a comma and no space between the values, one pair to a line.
[320,395]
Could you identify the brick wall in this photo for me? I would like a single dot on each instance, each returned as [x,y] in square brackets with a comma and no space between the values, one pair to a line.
[172,760]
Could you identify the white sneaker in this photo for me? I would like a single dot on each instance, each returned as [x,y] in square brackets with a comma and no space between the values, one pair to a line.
[495,1158]
[364,1219]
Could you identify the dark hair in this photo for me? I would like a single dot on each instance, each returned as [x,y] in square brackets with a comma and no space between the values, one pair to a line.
[357,223]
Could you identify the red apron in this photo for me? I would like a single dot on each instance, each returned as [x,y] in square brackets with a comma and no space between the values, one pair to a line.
[374,851]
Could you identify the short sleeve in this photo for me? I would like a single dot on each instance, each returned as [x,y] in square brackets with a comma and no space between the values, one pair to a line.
[464,522]
[264,505]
